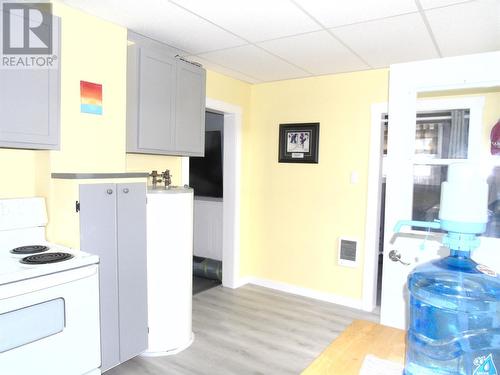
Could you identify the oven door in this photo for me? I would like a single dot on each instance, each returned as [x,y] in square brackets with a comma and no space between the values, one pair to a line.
[50,324]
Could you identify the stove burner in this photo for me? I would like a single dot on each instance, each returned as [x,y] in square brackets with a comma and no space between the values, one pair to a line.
[46,258]
[31,249]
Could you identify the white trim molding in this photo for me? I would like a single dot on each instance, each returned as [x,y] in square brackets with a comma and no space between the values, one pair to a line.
[231,188]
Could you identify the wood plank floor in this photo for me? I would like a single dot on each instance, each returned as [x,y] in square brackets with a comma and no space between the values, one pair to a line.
[251,330]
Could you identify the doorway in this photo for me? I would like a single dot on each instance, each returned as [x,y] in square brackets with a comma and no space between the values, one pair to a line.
[231,170]
[206,179]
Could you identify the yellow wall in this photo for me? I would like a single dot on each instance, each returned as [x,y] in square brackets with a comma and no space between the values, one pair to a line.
[301,210]
[18,172]
[92,50]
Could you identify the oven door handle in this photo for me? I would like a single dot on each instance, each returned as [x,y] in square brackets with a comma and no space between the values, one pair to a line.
[43,282]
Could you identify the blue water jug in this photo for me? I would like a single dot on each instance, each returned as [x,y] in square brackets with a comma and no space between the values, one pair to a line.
[454,318]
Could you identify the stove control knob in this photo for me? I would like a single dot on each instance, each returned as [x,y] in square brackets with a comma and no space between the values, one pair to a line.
[125,190]
[109,191]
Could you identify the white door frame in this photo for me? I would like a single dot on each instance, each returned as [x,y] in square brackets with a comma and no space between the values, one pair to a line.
[373,208]
[231,188]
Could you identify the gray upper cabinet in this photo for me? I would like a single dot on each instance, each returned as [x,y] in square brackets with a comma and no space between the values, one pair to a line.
[151,101]
[30,107]
[165,102]
[190,109]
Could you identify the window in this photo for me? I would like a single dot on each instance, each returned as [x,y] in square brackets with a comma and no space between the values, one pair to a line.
[442,137]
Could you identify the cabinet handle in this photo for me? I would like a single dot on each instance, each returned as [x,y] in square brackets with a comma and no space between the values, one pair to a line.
[109,191]
[125,190]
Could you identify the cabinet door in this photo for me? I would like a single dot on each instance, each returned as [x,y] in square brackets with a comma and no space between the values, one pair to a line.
[29,106]
[190,110]
[132,269]
[98,236]
[156,106]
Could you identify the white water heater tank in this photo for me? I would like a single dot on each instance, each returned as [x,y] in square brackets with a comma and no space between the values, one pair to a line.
[170,269]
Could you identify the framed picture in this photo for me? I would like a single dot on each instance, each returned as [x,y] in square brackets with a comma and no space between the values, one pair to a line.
[299,143]
[90,98]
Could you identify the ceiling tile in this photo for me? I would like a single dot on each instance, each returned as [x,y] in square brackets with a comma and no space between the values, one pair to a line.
[254,62]
[163,21]
[389,41]
[254,20]
[223,70]
[429,4]
[318,53]
[382,32]
[466,28]
[333,13]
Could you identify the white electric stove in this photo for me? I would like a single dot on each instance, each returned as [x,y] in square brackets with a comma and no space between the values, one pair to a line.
[13,269]
[49,298]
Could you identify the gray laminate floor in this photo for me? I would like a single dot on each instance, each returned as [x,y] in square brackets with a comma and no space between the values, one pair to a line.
[251,330]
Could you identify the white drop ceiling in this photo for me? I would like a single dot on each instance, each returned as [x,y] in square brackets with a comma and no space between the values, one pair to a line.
[268,40]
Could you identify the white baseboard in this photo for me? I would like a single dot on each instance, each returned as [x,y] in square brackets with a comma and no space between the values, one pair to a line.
[304,292]
[241,282]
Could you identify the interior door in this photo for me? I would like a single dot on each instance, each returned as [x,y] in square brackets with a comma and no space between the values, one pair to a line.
[417,167]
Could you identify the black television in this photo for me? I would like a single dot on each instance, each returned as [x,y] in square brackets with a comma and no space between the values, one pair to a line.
[205,173]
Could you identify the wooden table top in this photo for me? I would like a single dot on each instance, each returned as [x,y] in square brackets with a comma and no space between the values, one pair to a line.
[345,355]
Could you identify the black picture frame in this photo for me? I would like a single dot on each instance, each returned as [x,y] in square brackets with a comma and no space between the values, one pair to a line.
[299,143]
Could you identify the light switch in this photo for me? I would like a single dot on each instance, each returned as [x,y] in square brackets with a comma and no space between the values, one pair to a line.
[354,177]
